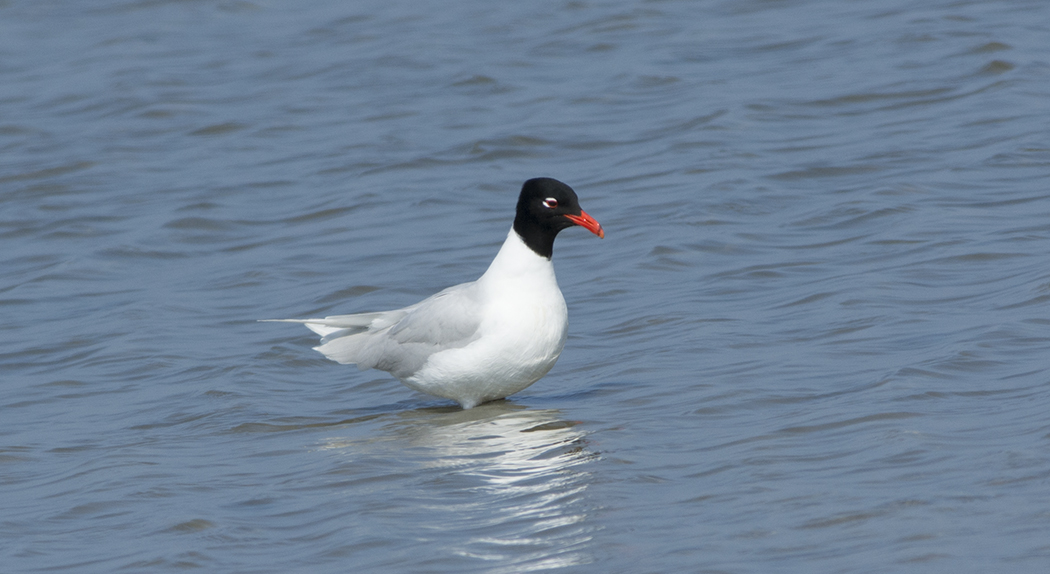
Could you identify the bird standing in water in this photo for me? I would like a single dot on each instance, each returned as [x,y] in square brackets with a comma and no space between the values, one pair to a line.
[478,341]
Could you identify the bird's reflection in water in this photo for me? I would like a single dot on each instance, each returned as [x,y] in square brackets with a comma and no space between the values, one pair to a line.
[501,483]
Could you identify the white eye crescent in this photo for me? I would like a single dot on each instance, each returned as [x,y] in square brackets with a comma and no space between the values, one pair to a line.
[550,203]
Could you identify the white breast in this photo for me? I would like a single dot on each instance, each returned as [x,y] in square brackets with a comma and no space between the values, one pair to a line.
[522,333]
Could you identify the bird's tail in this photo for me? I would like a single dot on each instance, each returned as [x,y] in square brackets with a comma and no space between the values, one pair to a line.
[338,342]
[330,325]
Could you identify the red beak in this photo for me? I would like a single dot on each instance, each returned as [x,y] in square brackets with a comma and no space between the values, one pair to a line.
[584,220]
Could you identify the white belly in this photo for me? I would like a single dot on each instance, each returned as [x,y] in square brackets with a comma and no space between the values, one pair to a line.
[515,349]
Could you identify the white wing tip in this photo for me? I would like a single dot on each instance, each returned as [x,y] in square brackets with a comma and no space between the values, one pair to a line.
[318,326]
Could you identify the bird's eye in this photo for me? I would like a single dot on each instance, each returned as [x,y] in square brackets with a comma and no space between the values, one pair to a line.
[550,203]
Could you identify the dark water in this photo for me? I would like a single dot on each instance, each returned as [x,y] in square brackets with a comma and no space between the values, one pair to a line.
[816,338]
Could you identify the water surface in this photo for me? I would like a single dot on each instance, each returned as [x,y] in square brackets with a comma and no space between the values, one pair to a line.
[815,338]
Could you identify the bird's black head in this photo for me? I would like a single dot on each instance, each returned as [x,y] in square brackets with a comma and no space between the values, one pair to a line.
[545,207]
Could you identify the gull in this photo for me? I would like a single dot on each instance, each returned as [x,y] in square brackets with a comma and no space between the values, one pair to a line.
[478,341]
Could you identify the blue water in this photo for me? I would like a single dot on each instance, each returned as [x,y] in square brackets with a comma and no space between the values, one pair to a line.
[815,338]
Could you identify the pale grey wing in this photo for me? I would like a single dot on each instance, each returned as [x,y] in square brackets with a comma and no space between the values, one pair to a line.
[447,320]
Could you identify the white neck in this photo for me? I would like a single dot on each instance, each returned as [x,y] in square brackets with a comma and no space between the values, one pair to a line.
[516,262]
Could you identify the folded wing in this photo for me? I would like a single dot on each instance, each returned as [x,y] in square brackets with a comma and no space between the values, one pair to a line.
[400,341]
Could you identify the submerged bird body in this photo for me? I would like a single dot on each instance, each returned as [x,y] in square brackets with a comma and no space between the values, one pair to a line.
[478,341]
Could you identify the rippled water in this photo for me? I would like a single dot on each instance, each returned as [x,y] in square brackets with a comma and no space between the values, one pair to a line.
[814,340]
